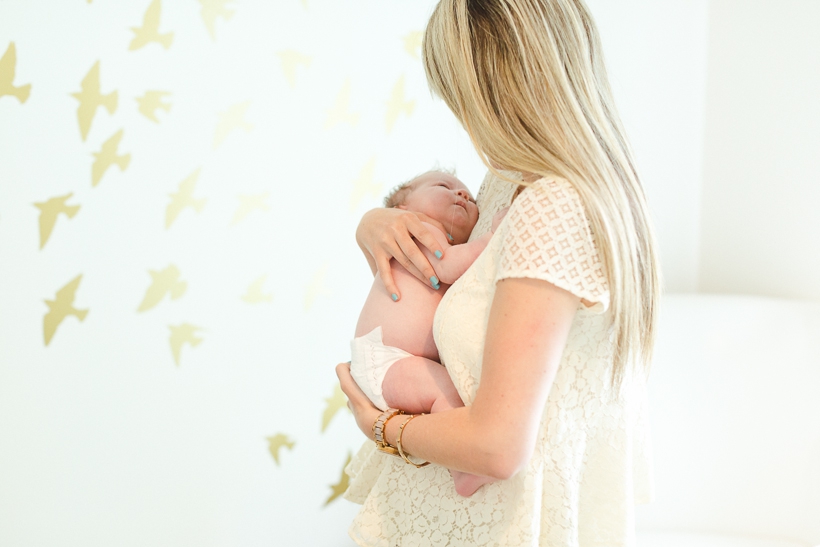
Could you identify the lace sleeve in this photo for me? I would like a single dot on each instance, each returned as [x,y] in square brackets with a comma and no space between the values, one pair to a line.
[546,236]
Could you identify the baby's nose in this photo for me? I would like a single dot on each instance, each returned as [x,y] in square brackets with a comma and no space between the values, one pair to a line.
[463,193]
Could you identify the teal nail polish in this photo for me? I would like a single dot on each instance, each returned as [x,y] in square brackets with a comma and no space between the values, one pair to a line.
[449,237]
[434,280]
[437,286]
[438,254]
[395,297]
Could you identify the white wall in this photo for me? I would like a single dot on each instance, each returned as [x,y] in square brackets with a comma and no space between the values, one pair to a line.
[760,230]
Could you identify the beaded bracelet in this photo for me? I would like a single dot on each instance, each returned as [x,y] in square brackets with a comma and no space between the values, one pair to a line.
[398,443]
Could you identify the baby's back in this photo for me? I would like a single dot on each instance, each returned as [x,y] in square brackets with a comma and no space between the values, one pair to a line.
[408,323]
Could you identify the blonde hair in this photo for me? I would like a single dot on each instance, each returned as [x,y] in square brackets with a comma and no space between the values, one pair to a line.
[526,79]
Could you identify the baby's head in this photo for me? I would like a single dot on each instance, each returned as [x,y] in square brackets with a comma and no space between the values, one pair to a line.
[440,196]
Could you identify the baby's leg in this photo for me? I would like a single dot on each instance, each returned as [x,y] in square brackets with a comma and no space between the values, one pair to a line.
[415,385]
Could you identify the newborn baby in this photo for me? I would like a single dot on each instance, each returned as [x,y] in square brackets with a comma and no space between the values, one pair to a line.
[394,358]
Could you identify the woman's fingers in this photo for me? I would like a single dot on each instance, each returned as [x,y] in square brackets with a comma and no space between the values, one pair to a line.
[363,410]
[384,271]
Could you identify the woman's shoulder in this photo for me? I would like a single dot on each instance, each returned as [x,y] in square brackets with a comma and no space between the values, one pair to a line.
[546,235]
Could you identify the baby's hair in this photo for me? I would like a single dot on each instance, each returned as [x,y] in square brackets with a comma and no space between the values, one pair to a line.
[398,195]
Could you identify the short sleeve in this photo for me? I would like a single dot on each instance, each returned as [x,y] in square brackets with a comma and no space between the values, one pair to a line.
[546,235]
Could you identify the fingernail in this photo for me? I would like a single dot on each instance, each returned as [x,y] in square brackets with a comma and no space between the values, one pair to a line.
[434,280]
[438,254]
[449,237]
[395,297]
[437,286]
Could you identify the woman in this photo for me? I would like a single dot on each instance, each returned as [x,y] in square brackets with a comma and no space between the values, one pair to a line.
[548,336]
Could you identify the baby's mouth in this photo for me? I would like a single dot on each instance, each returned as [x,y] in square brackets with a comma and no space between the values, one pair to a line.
[462,204]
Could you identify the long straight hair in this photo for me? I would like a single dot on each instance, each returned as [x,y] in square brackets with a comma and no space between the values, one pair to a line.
[526,79]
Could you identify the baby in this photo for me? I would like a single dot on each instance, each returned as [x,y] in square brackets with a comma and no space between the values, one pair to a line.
[394,358]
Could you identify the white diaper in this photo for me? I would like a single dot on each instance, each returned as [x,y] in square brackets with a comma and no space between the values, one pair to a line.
[369,362]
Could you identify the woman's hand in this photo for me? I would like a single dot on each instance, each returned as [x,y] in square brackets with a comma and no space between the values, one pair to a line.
[363,410]
[388,233]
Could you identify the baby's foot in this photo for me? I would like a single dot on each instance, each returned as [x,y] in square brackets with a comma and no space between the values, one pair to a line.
[467,484]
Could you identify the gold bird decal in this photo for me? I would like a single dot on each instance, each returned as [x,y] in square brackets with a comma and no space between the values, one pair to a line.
[290,60]
[277,442]
[49,211]
[149,103]
[249,204]
[340,112]
[396,105]
[91,99]
[184,197]
[316,287]
[8,67]
[340,487]
[211,9]
[336,402]
[255,294]
[149,31]
[61,307]
[230,120]
[107,156]
[162,282]
[412,43]
[365,185]
[183,334]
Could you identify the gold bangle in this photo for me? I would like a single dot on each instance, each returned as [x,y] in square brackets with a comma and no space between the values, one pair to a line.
[379,427]
[398,443]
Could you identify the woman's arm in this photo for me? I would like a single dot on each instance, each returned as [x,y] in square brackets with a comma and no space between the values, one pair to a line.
[528,327]
[385,233]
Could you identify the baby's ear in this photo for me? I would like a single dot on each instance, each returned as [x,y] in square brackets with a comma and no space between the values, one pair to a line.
[402,207]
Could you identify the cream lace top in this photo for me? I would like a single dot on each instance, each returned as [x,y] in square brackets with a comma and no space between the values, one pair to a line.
[591,462]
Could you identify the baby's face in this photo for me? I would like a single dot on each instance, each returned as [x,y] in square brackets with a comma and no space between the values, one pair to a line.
[445,199]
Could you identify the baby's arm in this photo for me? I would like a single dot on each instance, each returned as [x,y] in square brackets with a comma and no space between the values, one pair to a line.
[457,258]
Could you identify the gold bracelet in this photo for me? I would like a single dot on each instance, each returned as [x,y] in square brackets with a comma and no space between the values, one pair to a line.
[379,427]
[398,443]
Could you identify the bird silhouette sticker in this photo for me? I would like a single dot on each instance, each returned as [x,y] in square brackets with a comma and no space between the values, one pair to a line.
[152,101]
[290,61]
[108,156]
[184,198]
[149,31]
[364,185]
[412,43]
[316,287]
[277,442]
[8,68]
[340,487]
[49,211]
[181,335]
[249,204]
[61,307]
[340,111]
[256,294]
[333,404]
[231,120]
[211,9]
[91,99]
[163,282]
[397,104]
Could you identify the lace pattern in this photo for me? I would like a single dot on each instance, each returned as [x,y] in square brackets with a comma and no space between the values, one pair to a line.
[591,462]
